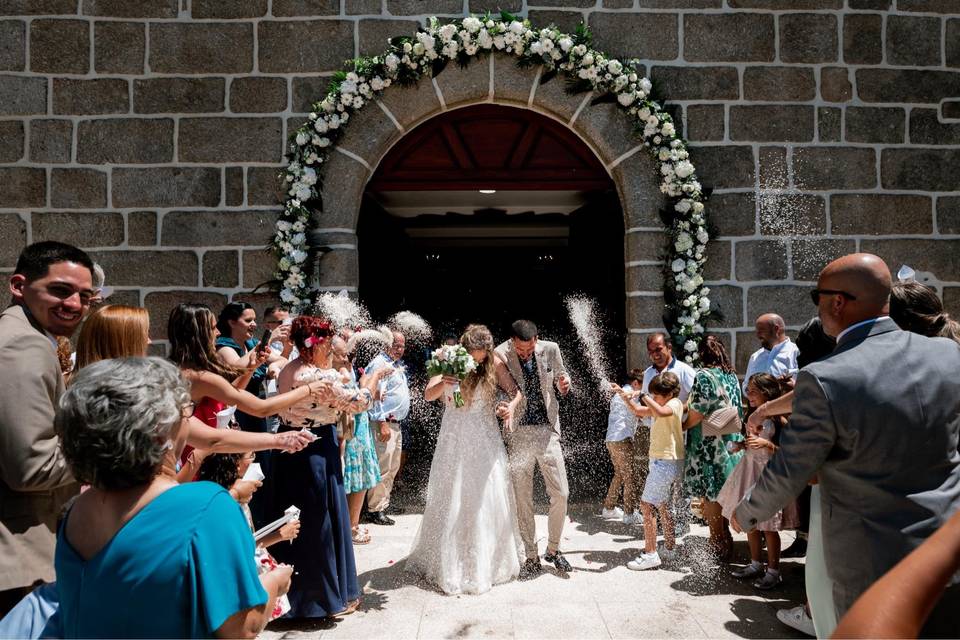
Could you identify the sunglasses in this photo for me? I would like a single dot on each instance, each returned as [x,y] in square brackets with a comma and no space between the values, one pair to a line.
[816,293]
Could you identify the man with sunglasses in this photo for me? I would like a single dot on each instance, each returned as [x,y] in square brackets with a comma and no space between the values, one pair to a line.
[52,289]
[877,421]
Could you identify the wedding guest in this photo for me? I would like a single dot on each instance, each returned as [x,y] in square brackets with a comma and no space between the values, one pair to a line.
[135,533]
[816,617]
[237,346]
[361,467]
[761,387]
[51,288]
[708,461]
[916,307]
[325,585]
[118,331]
[191,331]
[777,354]
[621,428]
[391,405]
[227,470]
[885,404]
[665,468]
[660,352]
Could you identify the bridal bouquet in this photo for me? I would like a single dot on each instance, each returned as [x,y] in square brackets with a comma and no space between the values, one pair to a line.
[452,360]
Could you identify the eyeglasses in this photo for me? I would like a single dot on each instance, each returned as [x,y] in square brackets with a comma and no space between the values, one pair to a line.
[186,411]
[816,293]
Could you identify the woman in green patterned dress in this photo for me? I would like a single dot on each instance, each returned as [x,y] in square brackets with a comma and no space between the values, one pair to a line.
[709,461]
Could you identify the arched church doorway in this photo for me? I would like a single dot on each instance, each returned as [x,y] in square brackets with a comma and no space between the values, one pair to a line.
[490,213]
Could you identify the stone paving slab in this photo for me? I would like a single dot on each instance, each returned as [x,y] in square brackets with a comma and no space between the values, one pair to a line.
[601,598]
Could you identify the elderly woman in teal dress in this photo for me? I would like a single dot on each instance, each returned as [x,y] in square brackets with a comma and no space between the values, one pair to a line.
[709,460]
[139,555]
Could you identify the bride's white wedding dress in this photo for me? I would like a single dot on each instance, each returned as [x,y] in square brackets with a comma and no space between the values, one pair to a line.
[469,539]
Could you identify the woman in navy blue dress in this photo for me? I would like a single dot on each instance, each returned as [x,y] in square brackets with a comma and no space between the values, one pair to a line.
[325,583]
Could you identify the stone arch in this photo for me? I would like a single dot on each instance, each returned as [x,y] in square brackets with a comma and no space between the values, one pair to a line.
[496,78]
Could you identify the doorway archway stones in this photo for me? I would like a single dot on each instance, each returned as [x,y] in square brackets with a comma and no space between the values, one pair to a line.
[496,78]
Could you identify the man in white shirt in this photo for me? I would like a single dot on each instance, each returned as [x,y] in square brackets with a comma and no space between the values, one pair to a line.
[391,405]
[777,354]
[660,351]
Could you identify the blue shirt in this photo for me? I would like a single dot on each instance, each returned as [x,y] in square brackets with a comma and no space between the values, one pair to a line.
[394,402]
[178,569]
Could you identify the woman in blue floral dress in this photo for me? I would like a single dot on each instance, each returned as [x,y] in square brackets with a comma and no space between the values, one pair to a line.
[361,466]
[709,462]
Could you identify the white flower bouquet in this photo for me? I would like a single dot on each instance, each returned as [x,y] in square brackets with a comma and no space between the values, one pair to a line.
[455,361]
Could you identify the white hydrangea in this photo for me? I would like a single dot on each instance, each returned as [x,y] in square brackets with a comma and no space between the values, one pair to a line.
[678,265]
[472,24]
[684,169]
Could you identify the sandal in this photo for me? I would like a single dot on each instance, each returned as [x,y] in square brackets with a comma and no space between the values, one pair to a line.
[360,536]
[351,608]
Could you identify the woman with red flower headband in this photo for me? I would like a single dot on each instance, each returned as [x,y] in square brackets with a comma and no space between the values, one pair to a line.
[325,584]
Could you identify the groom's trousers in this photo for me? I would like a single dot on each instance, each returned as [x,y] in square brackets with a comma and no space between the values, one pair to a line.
[527,447]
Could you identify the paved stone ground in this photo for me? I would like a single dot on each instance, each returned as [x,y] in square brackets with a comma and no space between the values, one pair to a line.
[601,598]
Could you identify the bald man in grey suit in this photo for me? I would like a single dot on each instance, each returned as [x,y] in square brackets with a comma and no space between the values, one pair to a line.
[877,422]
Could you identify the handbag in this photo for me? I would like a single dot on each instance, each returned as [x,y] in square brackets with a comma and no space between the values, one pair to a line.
[725,420]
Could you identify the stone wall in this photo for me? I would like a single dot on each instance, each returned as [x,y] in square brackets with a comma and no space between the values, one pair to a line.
[151,132]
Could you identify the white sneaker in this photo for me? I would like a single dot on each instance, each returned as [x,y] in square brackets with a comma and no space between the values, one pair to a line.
[632,518]
[612,514]
[668,555]
[798,619]
[645,561]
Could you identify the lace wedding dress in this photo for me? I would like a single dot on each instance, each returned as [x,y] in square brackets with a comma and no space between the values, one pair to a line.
[469,539]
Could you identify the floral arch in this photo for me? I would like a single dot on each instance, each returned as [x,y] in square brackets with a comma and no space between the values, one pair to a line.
[559,56]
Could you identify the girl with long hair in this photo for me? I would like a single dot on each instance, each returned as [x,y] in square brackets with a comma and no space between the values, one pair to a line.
[118,331]
[762,387]
[709,462]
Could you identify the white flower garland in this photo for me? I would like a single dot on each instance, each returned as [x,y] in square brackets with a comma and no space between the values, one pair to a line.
[410,58]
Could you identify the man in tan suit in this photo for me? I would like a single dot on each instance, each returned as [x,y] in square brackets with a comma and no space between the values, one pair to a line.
[537,367]
[52,287]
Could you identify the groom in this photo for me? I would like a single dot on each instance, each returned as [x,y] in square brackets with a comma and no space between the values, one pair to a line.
[537,367]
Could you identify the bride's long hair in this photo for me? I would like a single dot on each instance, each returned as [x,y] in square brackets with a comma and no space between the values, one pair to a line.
[484,377]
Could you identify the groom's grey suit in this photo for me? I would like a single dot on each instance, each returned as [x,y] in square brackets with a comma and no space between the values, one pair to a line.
[531,444]
[877,421]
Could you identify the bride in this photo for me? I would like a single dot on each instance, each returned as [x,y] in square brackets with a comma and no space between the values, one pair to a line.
[469,539]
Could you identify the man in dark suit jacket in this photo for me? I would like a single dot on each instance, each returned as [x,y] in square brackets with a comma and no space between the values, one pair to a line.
[877,422]
[52,288]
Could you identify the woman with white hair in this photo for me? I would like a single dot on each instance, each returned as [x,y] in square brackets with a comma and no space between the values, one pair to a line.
[139,555]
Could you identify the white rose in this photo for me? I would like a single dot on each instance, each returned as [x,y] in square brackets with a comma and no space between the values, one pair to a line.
[516,27]
[698,207]
[587,60]
[668,129]
[407,47]
[565,44]
[702,236]
[685,168]
[302,139]
[690,345]
[614,67]
[645,85]
[391,61]
[447,32]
